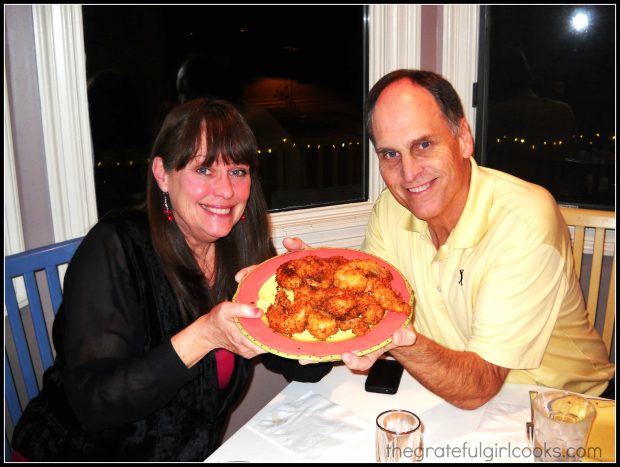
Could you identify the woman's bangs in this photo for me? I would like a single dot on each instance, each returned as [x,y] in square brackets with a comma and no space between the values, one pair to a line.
[230,144]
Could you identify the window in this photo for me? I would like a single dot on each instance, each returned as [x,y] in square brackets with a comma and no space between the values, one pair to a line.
[298,74]
[546,98]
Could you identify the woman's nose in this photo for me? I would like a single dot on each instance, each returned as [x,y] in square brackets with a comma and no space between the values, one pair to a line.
[223,185]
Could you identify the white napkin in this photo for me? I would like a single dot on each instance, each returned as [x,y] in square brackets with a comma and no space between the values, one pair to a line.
[310,426]
[504,423]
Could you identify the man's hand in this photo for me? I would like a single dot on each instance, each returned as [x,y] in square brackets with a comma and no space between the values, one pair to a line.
[244,272]
[294,244]
[401,338]
[290,243]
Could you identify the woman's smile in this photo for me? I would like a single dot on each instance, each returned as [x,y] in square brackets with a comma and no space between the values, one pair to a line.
[220,211]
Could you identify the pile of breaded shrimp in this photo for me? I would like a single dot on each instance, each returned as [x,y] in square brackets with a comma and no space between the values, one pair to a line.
[332,294]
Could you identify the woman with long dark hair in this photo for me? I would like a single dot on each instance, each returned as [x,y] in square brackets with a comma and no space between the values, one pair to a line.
[149,359]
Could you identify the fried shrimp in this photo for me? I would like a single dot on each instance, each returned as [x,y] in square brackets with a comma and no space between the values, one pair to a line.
[286,317]
[314,297]
[387,298]
[355,274]
[339,302]
[335,261]
[309,270]
[321,325]
[326,295]
[286,276]
[355,324]
[369,309]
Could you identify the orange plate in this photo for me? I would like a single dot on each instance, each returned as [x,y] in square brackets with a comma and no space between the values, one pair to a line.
[258,289]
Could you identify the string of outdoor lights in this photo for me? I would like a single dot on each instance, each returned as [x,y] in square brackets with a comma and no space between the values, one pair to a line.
[268,150]
[265,151]
[551,143]
[261,151]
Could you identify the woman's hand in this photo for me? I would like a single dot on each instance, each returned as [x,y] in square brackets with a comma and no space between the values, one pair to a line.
[216,330]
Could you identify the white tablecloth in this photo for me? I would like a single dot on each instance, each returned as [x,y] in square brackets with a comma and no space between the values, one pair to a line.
[493,432]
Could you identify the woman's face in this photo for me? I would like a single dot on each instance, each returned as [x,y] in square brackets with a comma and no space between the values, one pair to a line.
[206,201]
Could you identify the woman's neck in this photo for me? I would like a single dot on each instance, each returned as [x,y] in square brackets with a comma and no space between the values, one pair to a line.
[205,257]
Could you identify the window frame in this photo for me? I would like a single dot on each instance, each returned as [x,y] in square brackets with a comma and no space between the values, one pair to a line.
[394,42]
[481,132]
[483,97]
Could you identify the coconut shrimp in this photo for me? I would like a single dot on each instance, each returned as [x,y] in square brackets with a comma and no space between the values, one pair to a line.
[387,298]
[309,270]
[355,275]
[369,309]
[335,261]
[332,294]
[314,297]
[321,325]
[286,317]
[355,324]
[339,302]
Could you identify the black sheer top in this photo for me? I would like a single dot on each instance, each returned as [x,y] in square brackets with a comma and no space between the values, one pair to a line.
[118,390]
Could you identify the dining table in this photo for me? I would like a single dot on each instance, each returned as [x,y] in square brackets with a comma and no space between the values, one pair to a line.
[495,431]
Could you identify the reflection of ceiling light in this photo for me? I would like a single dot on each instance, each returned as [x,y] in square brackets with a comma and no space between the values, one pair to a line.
[580,21]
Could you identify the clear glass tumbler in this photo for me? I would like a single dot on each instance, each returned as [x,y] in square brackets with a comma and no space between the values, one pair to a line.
[398,436]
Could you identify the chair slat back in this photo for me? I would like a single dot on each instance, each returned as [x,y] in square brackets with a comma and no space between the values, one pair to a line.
[26,265]
[610,312]
[599,221]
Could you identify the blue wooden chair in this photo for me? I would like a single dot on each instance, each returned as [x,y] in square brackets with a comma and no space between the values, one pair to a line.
[20,378]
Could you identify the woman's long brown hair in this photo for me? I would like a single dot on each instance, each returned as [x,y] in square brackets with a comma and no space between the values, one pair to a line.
[230,138]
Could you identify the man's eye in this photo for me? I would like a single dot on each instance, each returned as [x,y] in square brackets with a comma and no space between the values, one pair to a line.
[390,154]
[425,145]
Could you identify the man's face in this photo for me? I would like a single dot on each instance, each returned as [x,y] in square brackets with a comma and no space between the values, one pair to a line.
[423,164]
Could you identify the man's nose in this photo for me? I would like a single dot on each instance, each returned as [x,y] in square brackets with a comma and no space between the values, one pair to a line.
[410,167]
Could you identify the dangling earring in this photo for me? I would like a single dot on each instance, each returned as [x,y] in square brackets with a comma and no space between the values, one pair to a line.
[167,210]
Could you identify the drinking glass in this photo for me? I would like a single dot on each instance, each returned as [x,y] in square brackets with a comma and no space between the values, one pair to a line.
[562,423]
[398,436]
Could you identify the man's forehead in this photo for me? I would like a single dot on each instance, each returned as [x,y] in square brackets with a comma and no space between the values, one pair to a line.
[405,91]
[405,102]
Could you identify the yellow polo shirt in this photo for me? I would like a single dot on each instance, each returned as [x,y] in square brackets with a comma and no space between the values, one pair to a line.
[503,285]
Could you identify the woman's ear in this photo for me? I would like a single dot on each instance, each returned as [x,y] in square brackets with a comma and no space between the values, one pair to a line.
[160,174]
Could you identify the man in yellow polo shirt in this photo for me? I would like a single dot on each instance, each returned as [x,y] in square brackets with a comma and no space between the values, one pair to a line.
[487,254]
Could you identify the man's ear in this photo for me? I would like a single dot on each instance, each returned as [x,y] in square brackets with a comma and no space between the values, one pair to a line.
[160,174]
[466,140]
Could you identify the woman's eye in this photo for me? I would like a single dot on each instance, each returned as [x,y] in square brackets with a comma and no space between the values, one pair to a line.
[203,170]
[239,172]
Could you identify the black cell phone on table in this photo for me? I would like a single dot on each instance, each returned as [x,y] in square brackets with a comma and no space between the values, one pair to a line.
[384,376]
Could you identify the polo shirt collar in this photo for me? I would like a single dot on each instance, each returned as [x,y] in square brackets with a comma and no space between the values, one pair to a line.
[473,221]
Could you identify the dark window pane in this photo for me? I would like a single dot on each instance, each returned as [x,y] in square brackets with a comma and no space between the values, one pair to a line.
[550,112]
[297,73]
